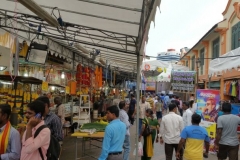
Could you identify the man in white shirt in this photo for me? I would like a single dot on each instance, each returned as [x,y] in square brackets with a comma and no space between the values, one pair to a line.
[170,130]
[116,100]
[143,106]
[123,116]
[187,114]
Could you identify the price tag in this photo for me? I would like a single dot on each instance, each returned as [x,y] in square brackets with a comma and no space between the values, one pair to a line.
[44,86]
[67,88]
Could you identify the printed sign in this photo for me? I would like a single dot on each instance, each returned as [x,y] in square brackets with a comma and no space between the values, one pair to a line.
[150,86]
[208,107]
[44,86]
[183,80]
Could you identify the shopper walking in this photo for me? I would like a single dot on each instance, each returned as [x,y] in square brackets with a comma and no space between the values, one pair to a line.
[132,107]
[149,140]
[159,108]
[187,114]
[30,143]
[52,120]
[143,106]
[170,130]
[227,142]
[194,137]
[124,118]
[60,109]
[10,138]
[114,136]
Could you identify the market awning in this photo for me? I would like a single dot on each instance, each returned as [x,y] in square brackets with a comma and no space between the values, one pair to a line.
[225,62]
[118,28]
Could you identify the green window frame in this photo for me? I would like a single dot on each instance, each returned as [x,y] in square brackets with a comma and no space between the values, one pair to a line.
[236,36]
[216,48]
[193,63]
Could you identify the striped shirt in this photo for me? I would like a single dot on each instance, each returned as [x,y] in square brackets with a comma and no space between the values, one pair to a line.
[55,125]
[123,116]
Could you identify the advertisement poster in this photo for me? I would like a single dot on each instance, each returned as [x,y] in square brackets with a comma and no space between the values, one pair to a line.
[150,86]
[183,80]
[207,107]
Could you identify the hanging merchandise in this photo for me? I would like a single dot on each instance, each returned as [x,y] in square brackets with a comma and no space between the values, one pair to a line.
[79,74]
[100,78]
[84,76]
[231,88]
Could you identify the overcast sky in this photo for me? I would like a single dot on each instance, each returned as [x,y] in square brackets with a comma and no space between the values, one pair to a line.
[182,23]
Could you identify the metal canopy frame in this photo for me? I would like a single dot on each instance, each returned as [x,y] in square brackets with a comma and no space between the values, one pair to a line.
[91,37]
[122,49]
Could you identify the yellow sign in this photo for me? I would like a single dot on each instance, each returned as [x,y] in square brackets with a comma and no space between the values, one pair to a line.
[67,89]
[44,86]
[159,69]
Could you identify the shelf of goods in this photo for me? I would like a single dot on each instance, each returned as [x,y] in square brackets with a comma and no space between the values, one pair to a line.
[84,111]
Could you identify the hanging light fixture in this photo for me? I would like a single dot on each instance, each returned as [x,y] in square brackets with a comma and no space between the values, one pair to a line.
[25,74]
[62,75]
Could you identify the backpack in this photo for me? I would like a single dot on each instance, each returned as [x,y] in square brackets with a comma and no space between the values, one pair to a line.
[147,131]
[159,106]
[53,151]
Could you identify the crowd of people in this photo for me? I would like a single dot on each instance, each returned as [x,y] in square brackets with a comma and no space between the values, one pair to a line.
[172,123]
[167,121]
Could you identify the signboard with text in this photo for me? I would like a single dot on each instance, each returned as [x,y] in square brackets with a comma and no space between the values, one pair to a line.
[183,80]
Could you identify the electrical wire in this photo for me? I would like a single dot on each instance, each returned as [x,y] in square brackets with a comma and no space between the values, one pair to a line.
[200,58]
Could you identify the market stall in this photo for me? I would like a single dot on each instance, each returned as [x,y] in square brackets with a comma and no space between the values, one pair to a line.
[87,42]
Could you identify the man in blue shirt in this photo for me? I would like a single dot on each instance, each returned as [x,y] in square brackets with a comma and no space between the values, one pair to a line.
[114,136]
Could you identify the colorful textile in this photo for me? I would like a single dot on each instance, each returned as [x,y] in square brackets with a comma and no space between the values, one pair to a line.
[230,89]
[234,89]
[148,143]
[4,138]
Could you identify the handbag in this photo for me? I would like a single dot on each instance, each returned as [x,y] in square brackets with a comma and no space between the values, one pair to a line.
[147,131]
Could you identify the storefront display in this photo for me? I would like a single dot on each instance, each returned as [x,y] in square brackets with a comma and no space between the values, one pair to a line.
[232,88]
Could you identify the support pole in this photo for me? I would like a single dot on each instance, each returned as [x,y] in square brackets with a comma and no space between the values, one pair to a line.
[14,114]
[73,65]
[138,100]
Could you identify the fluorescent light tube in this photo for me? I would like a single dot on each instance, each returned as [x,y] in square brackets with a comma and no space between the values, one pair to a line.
[39,11]
[102,61]
[81,48]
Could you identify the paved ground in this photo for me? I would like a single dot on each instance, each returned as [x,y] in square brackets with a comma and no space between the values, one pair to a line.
[68,152]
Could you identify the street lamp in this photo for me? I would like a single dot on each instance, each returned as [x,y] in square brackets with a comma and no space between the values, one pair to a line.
[198,62]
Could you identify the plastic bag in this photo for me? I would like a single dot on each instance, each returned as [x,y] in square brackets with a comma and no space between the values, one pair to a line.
[140,150]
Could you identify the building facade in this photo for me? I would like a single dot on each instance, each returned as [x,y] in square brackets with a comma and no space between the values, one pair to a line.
[220,39]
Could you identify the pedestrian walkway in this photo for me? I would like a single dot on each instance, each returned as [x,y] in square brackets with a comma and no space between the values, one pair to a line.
[68,152]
